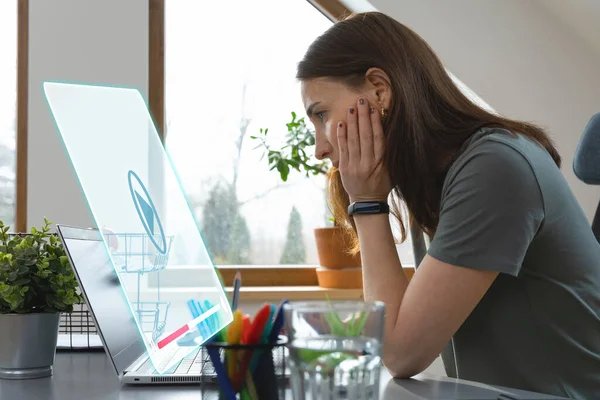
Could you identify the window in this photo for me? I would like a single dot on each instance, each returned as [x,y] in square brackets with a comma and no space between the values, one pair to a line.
[218,93]
[8,110]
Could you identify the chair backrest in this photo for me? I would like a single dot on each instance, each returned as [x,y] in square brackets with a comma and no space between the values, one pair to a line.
[586,163]
[419,245]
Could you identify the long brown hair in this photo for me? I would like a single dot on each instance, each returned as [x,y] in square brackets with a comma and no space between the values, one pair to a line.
[429,118]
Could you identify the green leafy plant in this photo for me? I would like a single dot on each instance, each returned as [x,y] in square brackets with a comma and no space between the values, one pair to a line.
[35,274]
[293,154]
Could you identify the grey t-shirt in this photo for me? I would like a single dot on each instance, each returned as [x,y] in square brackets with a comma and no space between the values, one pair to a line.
[506,207]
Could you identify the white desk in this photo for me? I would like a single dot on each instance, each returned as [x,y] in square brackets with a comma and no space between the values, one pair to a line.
[90,376]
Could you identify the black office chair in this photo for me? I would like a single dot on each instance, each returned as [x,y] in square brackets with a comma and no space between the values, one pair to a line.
[586,163]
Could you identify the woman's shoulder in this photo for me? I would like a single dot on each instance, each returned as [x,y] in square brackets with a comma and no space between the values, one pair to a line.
[496,154]
[498,142]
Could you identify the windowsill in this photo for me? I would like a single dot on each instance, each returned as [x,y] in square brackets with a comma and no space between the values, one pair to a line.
[255,293]
[259,283]
[279,275]
[300,281]
[295,293]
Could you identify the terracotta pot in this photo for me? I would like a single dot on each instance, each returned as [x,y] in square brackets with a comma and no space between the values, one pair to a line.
[346,278]
[332,247]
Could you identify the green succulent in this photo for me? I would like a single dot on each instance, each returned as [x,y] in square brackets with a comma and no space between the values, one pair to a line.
[35,273]
[350,327]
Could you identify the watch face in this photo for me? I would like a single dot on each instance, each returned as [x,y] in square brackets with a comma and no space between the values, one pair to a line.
[368,208]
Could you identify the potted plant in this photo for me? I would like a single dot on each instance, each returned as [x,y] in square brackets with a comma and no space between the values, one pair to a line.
[36,285]
[340,268]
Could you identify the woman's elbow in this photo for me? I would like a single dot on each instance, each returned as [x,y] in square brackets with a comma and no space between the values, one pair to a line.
[401,371]
[402,367]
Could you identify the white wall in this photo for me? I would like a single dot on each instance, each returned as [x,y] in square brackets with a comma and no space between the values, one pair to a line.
[87,41]
[520,59]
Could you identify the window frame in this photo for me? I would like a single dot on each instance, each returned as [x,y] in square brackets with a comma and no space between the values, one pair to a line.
[22,115]
[256,278]
[332,9]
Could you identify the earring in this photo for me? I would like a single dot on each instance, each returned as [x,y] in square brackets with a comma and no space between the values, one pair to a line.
[383,113]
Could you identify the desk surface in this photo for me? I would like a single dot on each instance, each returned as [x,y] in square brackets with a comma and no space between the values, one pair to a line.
[91,376]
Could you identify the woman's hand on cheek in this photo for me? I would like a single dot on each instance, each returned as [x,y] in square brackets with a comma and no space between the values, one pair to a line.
[361,145]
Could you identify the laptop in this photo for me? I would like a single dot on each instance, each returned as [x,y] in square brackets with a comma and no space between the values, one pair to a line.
[116,325]
[163,281]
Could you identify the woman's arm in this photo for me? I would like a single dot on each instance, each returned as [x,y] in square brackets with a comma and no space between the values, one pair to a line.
[420,317]
[383,277]
[489,215]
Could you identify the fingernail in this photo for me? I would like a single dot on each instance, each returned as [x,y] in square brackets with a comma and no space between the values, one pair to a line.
[351,110]
[340,124]
[361,101]
[372,110]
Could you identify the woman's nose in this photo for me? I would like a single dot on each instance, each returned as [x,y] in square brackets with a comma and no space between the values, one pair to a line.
[323,150]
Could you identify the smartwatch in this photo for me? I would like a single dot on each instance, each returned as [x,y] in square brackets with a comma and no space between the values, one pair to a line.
[368,207]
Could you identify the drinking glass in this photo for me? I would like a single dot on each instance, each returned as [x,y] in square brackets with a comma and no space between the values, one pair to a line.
[335,349]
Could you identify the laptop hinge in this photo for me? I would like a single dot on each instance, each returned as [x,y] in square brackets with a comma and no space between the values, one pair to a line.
[137,363]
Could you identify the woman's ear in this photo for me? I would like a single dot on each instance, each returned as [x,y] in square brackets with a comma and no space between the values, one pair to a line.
[380,87]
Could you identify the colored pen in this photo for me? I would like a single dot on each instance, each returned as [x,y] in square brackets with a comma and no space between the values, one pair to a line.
[263,338]
[254,336]
[249,391]
[224,381]
[267,329]
[237,283]
[234,335]
[277,323]
[271,332]
[246,326]
[250,388]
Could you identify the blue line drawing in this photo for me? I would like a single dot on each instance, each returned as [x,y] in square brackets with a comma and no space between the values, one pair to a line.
[147,212]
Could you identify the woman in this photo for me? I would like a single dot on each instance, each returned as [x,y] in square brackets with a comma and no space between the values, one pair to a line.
[512,277]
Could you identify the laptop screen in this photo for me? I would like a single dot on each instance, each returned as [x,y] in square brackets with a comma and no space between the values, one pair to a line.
[144,217]
[103,294]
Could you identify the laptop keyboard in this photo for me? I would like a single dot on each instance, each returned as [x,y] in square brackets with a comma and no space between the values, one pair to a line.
[192,364]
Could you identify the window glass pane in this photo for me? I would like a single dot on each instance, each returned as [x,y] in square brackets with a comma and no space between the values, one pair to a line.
[8,108]
[230,70]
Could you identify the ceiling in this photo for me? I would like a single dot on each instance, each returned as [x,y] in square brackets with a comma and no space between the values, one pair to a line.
[581,16]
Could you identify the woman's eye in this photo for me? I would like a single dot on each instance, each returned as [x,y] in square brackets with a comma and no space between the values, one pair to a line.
[320,115]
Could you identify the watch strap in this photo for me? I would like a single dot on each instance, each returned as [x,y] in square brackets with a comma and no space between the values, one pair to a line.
[368,207]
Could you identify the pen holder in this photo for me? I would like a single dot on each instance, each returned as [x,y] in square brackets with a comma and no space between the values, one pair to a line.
[249,371]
